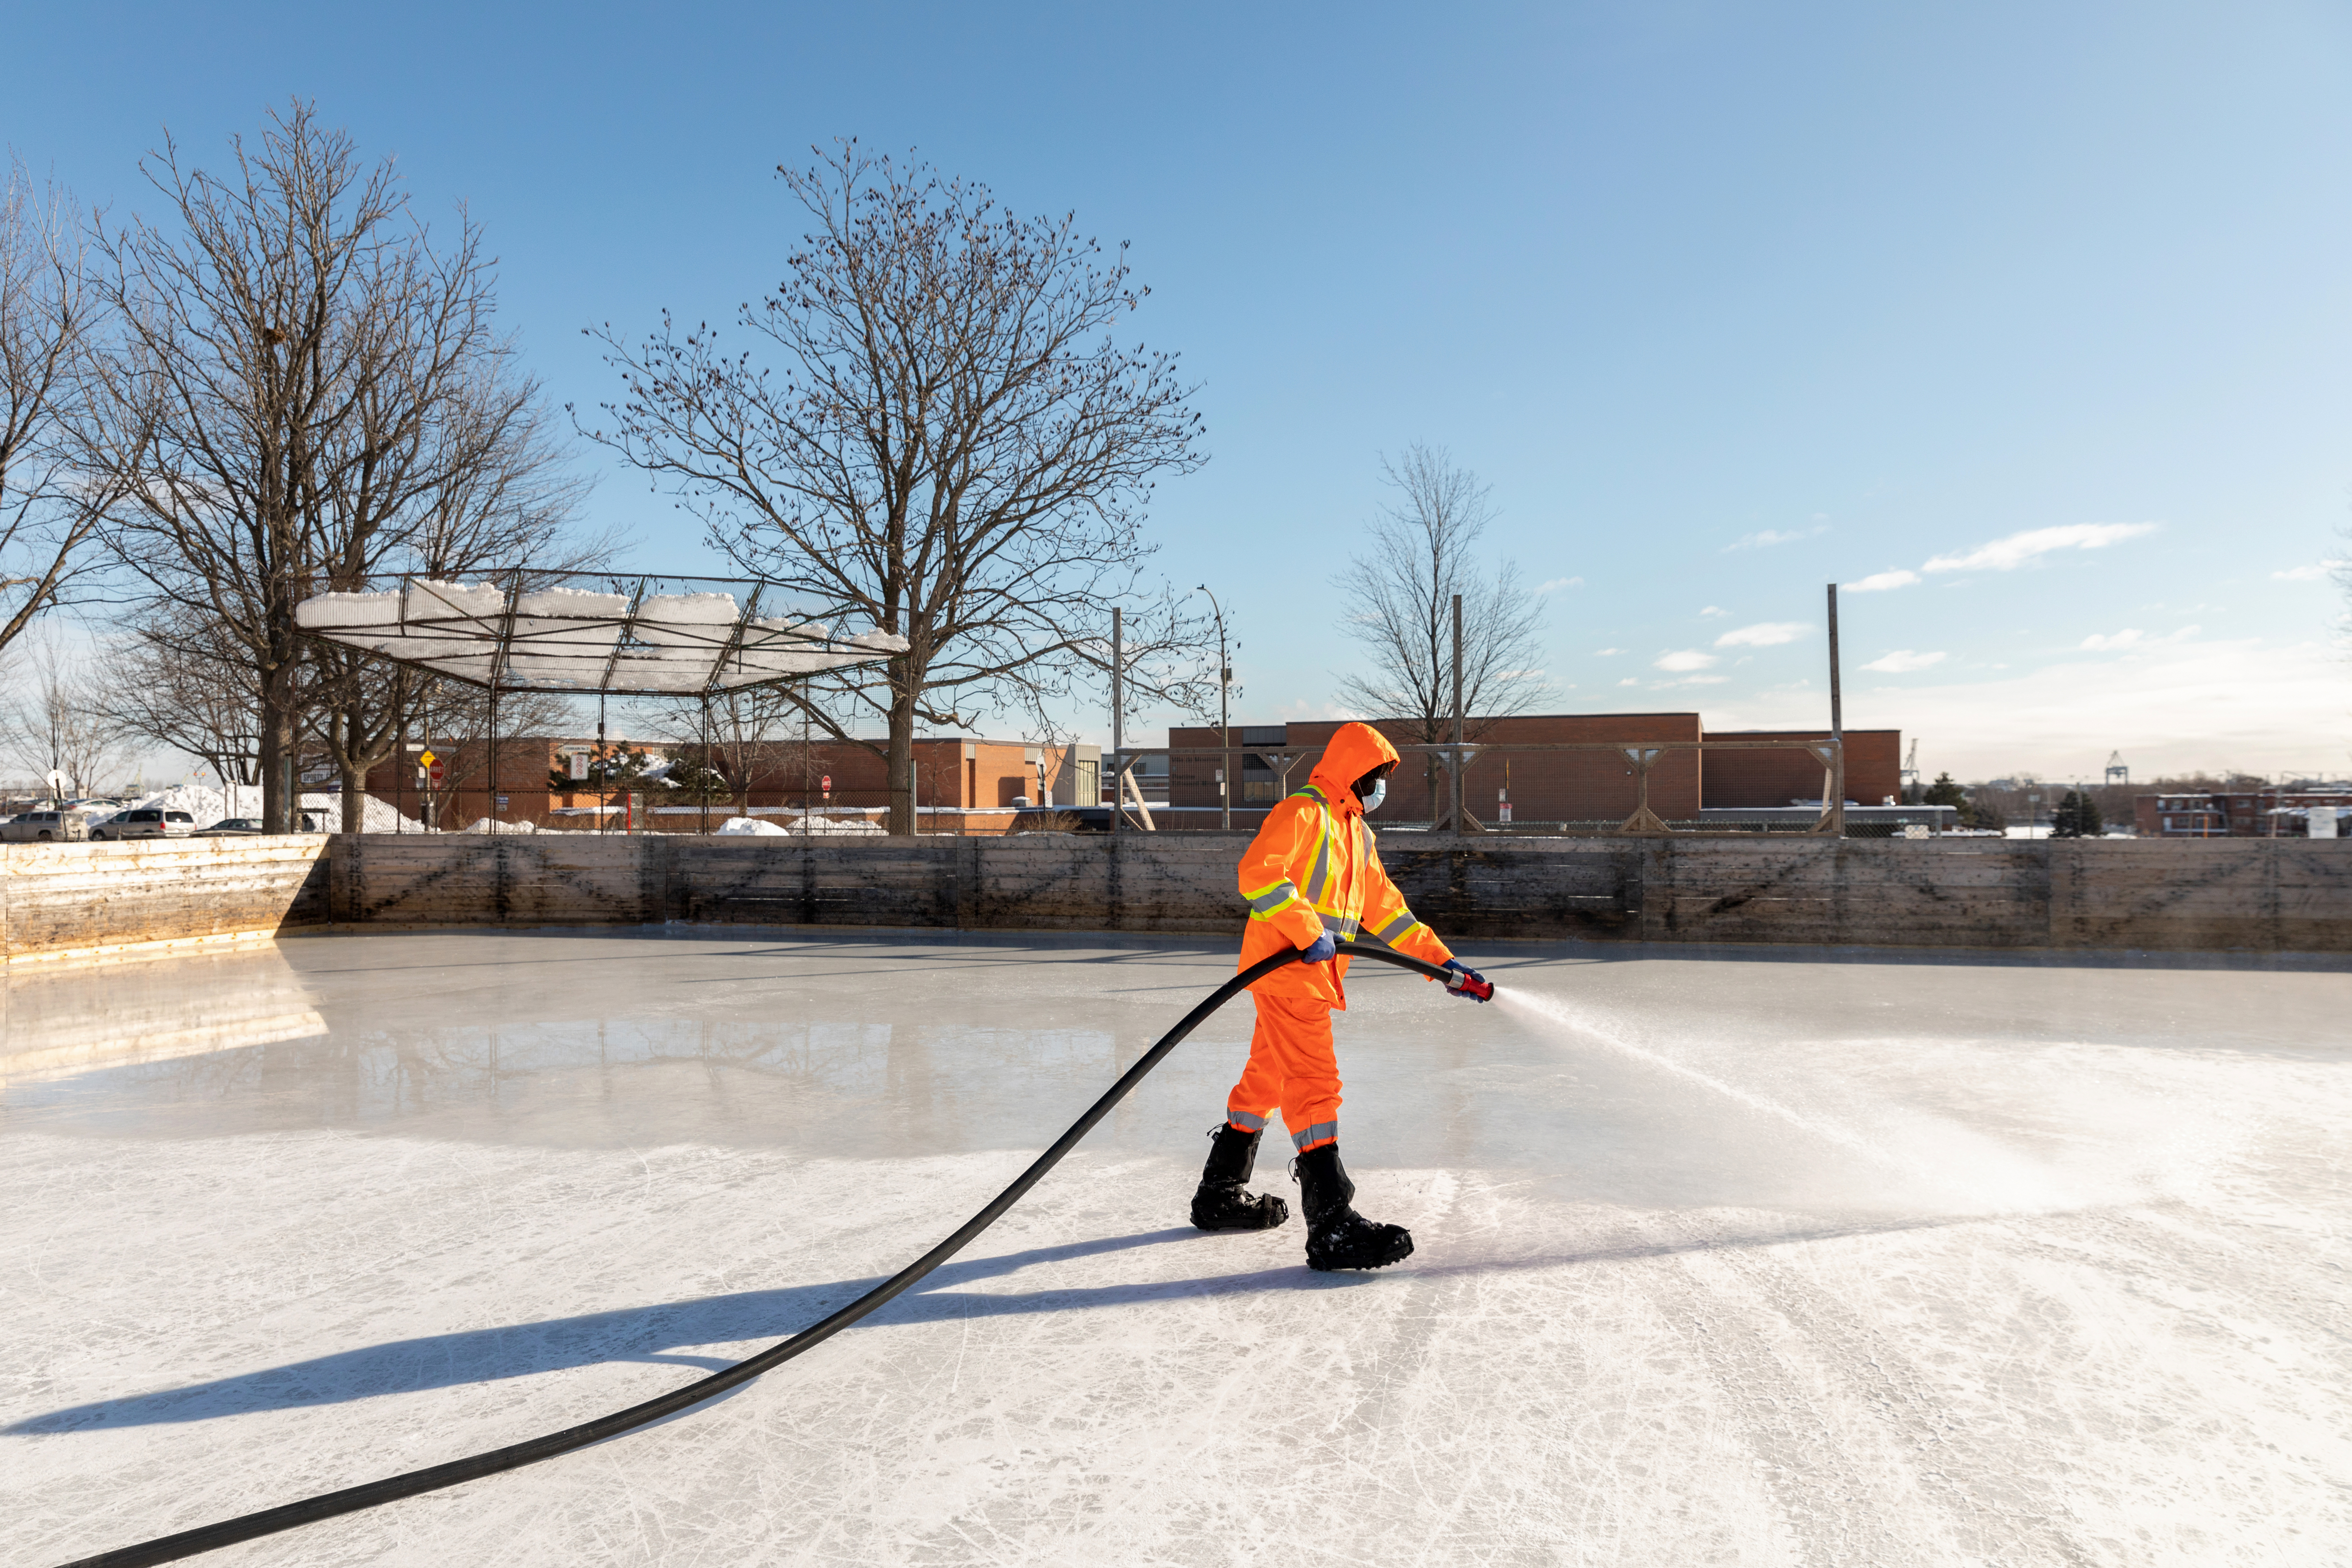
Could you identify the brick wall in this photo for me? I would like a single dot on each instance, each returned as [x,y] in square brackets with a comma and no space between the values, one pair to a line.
[1873,768]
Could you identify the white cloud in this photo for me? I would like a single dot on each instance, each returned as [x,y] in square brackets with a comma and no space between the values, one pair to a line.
[2309,574]
[1518,675]
[1630,681]
[1607,652]
[1898,578]
[2250,703]
[1714,610]
[2014,550]
[1772,536]
[2132,637]
[1902,661]
[1685,660]
[1557,584]
[1764,633]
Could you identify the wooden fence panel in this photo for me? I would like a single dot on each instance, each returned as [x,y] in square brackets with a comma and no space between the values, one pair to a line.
[2220,895]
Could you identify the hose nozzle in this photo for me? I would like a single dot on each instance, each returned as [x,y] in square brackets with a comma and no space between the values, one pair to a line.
[1471,984]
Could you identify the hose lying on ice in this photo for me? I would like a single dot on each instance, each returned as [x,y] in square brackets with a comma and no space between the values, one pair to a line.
[286,1516]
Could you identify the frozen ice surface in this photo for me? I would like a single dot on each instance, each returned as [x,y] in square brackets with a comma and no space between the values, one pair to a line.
[1722,1260]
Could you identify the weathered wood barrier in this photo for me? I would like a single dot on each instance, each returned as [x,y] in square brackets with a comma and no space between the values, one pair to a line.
[87,900]
[2286,895]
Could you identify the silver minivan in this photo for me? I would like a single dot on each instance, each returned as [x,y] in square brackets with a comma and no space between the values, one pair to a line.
[45,827]
[147,822]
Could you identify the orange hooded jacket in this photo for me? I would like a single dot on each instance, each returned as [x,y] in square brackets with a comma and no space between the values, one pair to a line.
[1313,868]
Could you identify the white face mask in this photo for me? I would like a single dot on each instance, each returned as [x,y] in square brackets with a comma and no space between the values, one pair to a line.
[1379,792]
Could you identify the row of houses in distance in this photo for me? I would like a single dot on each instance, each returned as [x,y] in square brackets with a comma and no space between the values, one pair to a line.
[2301,811]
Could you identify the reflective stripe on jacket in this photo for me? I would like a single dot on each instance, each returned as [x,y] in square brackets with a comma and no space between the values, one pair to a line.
[1313,867]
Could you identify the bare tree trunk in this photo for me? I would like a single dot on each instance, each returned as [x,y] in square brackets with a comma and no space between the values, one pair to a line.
[898,764]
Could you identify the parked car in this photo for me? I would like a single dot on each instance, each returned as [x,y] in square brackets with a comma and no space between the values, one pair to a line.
[46,827]
[146,822]
[248,827]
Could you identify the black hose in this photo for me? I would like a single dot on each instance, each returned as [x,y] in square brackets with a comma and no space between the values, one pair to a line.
[350,1499]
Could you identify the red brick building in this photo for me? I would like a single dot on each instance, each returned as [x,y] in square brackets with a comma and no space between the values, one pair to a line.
[1874,769]
[1554,786]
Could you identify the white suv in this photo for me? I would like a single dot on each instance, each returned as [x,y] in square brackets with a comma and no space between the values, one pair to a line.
[47,827]
[147,822]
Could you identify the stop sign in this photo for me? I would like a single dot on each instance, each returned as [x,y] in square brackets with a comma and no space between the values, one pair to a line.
[433,775]
[828,782]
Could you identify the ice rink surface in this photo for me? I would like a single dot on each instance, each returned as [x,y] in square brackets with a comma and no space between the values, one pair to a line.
[1723,1257]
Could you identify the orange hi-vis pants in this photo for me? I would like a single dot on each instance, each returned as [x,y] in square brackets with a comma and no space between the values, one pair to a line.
[1291,1065]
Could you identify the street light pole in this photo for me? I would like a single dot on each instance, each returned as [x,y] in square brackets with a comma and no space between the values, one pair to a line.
[1225,717]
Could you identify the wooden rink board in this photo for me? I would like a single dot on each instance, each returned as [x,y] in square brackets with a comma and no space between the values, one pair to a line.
[78,901]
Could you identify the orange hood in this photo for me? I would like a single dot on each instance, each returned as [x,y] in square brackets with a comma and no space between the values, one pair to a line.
[1354,752]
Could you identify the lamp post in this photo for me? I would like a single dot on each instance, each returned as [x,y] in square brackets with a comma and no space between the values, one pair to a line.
[1225,717]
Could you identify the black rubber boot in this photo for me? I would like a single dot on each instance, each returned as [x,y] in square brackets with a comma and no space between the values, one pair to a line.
[1224,1200]
[1337,1235]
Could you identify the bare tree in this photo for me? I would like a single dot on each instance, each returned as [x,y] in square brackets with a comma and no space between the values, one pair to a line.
[1399,603]
[485,488]
[746,739]
[54,726]
[47,508]
[951,445]
[179,678]
[305,383]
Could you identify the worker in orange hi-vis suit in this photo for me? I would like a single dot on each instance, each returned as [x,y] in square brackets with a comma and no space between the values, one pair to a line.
[1313,881]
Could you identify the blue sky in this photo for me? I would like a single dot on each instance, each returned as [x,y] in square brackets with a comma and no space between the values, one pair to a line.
[1727,301]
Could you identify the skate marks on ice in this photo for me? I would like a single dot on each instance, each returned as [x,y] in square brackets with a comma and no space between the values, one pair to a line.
[1542,1384]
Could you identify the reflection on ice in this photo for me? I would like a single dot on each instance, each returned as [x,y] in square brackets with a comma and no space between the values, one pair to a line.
[58,1021]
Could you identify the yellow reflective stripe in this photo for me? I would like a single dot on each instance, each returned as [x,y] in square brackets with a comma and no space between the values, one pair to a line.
[1344,927]
[1268,900]
[1396,928]
[1321,877]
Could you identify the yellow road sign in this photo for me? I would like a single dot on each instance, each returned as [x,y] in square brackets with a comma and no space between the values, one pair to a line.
[425,761]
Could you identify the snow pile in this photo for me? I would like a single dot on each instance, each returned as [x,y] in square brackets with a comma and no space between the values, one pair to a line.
[751,827]
[810,824]
[486,824]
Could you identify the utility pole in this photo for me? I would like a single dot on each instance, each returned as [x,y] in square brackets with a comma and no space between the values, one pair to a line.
[1225,717]
[1836,803]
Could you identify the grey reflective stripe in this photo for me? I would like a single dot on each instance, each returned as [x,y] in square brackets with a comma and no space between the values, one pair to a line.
[1321,875]
[1396,927]
[1273,898]
[1341,927]
[1245,1121]
[1315,1134]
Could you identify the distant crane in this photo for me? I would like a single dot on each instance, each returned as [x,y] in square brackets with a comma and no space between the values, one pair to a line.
[2118,774]
[1909,777]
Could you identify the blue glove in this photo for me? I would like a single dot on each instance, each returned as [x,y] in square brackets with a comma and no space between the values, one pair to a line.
[1471,986]
[1323,950]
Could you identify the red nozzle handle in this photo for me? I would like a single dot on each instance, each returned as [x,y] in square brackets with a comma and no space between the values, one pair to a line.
[1470,984]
